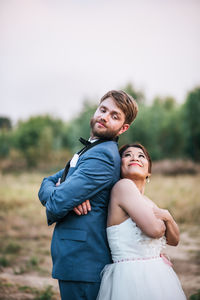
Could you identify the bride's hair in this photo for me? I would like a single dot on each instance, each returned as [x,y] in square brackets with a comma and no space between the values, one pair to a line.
[137,145]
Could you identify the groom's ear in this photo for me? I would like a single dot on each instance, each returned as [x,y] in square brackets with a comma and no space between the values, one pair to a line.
[124,128]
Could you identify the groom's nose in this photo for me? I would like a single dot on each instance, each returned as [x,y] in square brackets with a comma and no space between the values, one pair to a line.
[105,117]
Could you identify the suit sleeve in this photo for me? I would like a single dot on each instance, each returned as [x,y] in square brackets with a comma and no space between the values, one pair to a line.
[94,173]
[48,186]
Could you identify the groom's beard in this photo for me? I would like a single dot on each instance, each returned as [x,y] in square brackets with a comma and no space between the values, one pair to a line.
[103,133]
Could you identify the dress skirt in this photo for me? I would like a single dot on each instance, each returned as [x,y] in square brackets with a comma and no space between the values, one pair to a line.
[150,279]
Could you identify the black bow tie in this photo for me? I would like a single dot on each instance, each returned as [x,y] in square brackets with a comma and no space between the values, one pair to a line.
[84,142]
[87,143]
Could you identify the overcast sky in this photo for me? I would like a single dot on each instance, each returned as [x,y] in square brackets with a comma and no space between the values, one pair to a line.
[56,53]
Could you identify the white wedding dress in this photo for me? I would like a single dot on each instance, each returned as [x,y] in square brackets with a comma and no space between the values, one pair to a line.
[138,271]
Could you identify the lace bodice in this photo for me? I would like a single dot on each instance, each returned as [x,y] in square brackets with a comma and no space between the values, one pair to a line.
[127,241]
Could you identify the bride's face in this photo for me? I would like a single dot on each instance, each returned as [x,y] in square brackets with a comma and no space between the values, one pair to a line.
[134,164]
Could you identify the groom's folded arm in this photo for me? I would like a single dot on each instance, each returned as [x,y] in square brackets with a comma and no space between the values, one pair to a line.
[93,174]
[48,186]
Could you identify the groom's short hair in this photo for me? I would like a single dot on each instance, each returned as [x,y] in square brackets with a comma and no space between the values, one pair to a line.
[125,102]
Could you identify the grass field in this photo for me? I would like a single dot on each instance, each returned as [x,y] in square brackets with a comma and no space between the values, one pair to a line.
[25,263]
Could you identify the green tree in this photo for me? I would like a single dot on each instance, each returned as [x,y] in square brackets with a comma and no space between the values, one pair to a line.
[5,144]
[158,127]
[37,137]
[80,126]
[146,129]
[5,136]
[138,95]
[191,119]
[171,137]
[5,123]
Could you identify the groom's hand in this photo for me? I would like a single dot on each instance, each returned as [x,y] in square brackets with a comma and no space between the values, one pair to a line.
[83,208]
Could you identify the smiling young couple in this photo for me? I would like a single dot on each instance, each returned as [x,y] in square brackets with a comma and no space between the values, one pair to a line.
[131,232]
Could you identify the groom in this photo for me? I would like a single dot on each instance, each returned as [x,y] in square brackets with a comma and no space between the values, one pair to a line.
[79,245]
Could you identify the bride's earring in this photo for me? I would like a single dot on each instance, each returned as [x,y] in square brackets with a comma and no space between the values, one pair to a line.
[148,180]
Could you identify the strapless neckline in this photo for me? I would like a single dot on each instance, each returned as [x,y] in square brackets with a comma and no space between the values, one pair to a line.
[127,240]
[129,218]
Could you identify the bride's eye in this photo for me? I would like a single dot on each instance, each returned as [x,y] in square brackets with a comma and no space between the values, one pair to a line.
[127,154]
[141,155]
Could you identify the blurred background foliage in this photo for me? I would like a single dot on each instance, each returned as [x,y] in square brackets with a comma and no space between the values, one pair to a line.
[43,144]
[166,128]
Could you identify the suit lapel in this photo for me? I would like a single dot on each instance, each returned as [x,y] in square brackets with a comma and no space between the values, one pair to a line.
[86,148]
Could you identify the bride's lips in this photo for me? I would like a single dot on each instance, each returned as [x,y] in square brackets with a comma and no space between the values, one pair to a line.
[133,164]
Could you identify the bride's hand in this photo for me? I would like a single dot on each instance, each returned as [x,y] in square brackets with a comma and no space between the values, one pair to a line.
[83,208]
[162,214]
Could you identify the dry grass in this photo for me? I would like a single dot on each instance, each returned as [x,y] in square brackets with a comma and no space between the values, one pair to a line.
[179,194]
[25,237]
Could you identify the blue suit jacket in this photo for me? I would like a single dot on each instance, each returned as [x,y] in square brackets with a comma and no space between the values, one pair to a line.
[79,245]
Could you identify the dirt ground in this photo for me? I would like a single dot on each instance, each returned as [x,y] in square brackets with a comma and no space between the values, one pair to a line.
[185,258]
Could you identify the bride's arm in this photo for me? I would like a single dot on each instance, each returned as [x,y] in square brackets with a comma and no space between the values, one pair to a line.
[127,196]
[172,230]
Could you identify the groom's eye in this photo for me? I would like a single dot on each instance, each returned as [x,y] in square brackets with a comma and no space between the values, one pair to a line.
[115,117]
[102,110]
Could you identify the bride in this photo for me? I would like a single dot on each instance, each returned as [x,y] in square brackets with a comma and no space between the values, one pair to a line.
[137,232]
